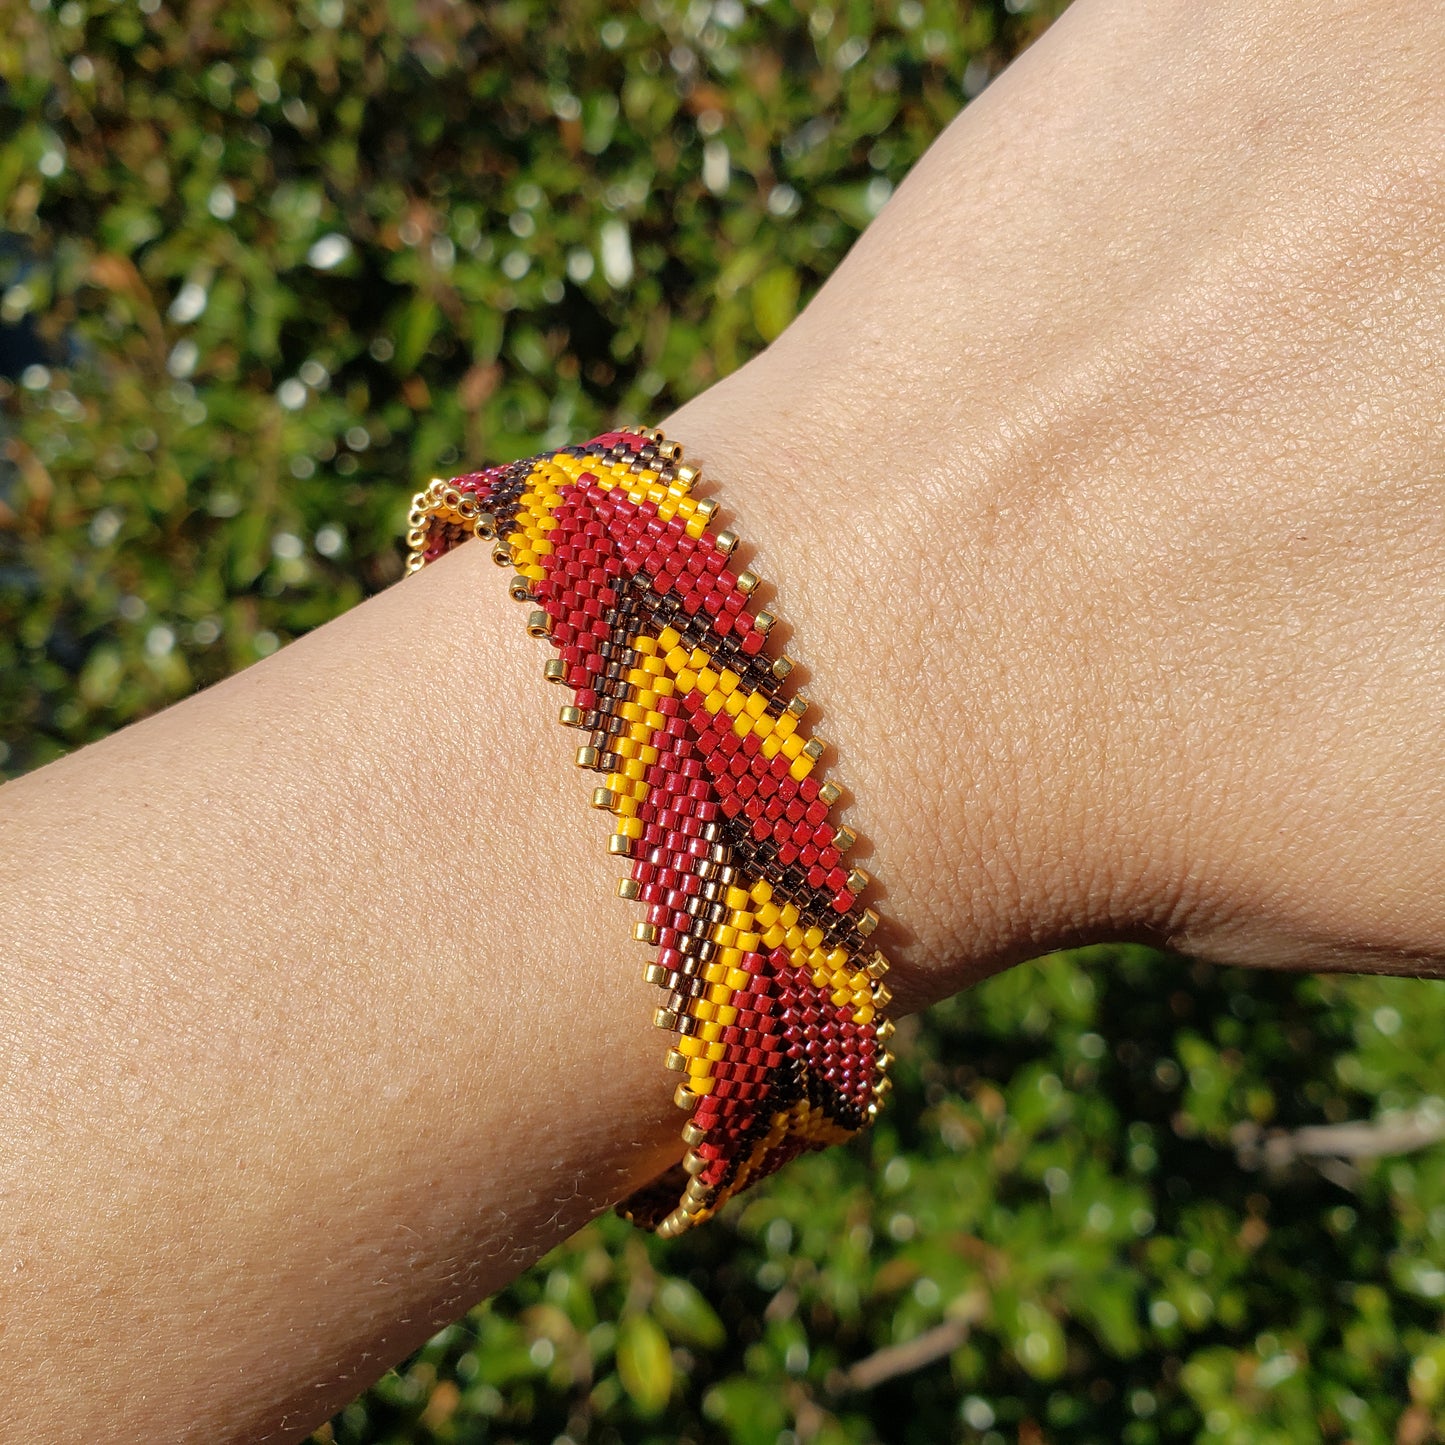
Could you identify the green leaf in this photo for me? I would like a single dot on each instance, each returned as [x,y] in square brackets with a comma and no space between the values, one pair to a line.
[414,331]
[644,1362]
[775,301]
[687,1316]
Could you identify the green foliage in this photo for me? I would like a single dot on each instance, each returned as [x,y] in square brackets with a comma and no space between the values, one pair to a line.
[290,258]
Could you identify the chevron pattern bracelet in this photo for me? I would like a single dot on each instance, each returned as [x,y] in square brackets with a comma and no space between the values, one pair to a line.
[770,983]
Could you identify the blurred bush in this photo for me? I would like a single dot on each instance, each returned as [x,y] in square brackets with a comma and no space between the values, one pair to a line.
[266,265]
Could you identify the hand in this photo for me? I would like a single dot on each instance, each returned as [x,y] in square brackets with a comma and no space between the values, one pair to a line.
[1104,481]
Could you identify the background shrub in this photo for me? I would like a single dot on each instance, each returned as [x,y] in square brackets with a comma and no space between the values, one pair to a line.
[266,265]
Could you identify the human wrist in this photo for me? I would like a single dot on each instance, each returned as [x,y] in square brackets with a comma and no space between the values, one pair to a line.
[920,688]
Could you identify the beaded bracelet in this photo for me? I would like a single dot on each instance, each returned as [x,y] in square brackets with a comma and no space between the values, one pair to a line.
[772,986]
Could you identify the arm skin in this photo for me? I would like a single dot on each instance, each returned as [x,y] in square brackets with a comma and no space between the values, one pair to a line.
[1121,435]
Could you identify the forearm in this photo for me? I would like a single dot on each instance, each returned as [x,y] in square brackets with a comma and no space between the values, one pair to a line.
[320,1003]
[319,1022]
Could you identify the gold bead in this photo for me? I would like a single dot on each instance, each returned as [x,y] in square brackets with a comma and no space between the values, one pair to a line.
[628,888]
[669,451]
[645,932]
[782,667]
[588,757]
[868,920]
[765,621]
[885,1062]
[685,1099]
[748,582]
[726,541]
[603,798]
[519,590]
[619,845]
[502,555]
[882,995]
[878,965]
[858,880]
[693,1163]
[844,839]
[707,509]
[665,1018]
[538,623]
[798,706]
[882,1088]
[485,526]
[554,670]
[886,1030]
[655,973]
[693,1134]
[829,794]
[813,748]
[686,475]
[676,1062]
[570,716]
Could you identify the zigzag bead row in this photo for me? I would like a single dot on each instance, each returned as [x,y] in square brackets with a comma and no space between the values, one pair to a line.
[770,983]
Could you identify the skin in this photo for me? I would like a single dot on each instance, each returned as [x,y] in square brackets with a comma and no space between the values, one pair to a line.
[1120,433]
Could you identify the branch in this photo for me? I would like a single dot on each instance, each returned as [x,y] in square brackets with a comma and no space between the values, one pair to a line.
[1279,1148]
[894,1360]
